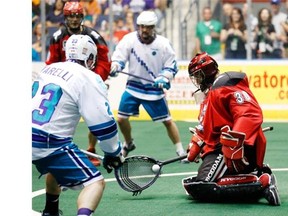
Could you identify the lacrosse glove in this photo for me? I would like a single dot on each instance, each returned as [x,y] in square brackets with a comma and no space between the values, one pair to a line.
[233,149]
[162,82]
[112,162]
[195,145]
[115,68]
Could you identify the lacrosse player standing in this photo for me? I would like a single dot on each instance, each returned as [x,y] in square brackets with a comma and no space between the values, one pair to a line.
[152,57]
[74,15]
[62,93]
[229,138]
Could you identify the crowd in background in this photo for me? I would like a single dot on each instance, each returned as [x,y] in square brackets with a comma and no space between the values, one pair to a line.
[223,39]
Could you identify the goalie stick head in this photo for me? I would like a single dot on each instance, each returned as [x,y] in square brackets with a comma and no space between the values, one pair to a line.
[202,70]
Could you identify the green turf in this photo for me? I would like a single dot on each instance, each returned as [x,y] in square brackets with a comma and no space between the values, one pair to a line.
[166,196]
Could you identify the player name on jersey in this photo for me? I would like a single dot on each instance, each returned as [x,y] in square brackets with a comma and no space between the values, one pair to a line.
[59,72]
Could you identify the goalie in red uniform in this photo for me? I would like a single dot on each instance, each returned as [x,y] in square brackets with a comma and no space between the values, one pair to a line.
[74,14]
[229,139]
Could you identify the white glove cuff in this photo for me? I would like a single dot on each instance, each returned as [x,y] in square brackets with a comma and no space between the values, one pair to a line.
[168,75]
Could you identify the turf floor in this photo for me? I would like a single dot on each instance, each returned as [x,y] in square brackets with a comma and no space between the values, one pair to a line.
[166,196]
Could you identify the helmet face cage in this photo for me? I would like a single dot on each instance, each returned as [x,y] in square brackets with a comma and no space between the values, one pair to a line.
[72,10]
[82,48]
[197,77]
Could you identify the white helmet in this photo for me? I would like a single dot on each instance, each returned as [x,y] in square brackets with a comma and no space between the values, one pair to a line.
[147,18]
[81,47]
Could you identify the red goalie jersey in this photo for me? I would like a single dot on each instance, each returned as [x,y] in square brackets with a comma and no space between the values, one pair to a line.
[57,49]
[231,102]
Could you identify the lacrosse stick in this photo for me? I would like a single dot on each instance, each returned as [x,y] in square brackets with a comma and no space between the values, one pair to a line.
[192,130]
[139,77]
[92,154]
[139,172]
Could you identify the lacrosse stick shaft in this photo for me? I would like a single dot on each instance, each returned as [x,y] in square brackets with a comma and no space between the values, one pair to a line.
[267,129]
[139,77]
[174,159]
[92,154]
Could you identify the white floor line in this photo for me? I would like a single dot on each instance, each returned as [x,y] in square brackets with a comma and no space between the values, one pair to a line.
[42,191]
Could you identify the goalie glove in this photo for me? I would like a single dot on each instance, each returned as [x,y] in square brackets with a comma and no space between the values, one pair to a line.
[162,82]
[115,68]
[112,162]
[195,146]
[233,149]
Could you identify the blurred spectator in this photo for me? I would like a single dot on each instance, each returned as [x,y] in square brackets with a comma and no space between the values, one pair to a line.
[55,17]
[36,56]
[104,31]
[92,10]
[36,11]
[208,35]
[120,30]
[250,21]
[36,41]
[160,10]
[234,35]
[88,23]
[119,7]
[278,17]
[137,6]
[265,35]
[285,27]
[130,21]
[227,11]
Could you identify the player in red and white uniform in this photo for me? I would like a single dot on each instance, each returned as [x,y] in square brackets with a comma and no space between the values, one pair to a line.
[229,138]
[74,14]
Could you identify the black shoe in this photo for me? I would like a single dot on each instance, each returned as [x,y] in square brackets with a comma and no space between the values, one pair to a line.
[271,193]
[128,148]
[48,214]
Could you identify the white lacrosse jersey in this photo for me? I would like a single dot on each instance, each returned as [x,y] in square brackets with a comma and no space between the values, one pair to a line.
[147,61]
[63,93]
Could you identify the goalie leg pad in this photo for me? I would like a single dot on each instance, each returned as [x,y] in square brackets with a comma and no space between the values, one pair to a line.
[213,192]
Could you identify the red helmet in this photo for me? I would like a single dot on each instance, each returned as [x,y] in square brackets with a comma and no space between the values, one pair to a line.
[202,70]
[72,8]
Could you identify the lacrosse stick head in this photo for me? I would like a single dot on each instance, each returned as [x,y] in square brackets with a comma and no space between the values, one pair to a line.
[137,173]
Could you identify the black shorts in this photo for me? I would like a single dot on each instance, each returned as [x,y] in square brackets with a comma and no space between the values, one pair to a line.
[212,168]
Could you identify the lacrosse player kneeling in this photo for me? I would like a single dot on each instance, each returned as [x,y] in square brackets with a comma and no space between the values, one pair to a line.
[229,139]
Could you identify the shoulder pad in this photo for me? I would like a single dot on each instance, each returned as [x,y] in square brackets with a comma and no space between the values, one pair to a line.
[228,79]
[59,34]
[96,37]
